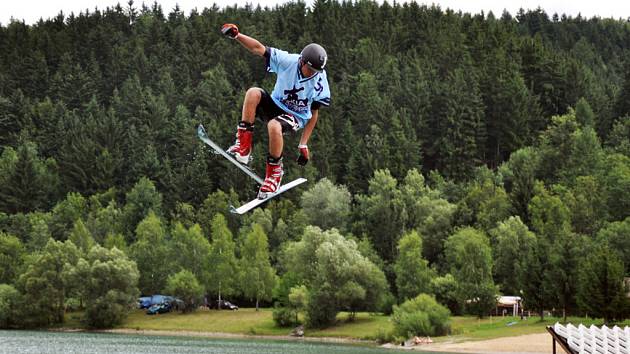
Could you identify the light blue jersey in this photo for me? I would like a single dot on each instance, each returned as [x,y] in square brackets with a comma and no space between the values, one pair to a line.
[293,92]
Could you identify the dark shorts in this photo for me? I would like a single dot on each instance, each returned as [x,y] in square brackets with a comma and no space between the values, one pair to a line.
[268,110]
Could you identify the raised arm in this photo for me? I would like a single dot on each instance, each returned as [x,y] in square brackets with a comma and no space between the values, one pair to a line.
[253,45]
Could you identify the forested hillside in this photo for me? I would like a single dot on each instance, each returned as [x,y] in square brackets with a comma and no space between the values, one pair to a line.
[480,153]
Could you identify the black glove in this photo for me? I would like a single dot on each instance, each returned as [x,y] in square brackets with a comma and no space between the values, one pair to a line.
[230,30]
[303,158]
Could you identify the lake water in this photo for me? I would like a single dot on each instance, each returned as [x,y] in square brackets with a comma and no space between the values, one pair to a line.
[42,342]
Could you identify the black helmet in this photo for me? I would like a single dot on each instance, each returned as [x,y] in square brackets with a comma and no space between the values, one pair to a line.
[314,56]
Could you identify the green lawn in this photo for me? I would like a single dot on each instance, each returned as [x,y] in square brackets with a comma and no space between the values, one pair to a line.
[249,321]
[243,321]
[472,328]
[365,326]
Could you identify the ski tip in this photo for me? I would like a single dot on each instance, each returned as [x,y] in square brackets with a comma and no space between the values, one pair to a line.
[201,131]
[233,209]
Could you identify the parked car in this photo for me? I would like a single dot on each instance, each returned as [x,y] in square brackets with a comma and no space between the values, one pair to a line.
[144,302]
[159,308]
[225,305]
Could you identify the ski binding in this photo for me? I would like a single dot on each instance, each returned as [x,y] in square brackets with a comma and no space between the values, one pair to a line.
[201,133]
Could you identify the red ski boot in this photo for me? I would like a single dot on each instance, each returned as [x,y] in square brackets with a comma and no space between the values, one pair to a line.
[273,178]
[242,148]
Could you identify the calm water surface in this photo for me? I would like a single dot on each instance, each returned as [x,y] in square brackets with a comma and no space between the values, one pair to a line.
[42,342]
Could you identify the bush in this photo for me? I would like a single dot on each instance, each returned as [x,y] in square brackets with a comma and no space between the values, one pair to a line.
[184,285]
[384,336]
[386,306]
[9,298]
[285,317]
[421,316]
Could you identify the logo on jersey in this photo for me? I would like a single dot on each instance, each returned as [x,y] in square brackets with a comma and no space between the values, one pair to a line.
[292,100]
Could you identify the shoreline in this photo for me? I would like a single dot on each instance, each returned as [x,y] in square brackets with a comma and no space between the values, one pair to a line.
[223,335]
[539,343]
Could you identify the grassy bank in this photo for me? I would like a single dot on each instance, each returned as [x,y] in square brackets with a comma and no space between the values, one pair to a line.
[250,321]
[472,328]
[365,326]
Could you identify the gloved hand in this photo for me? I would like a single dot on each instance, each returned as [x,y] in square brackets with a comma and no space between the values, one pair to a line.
[303,158]
[230,30]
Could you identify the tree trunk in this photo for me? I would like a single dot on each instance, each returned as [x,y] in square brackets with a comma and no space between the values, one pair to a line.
[256,304]
[219,304]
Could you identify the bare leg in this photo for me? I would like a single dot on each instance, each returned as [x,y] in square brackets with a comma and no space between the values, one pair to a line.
[252,99]
[275,138]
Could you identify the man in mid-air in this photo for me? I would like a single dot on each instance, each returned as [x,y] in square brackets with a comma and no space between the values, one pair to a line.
[301,89]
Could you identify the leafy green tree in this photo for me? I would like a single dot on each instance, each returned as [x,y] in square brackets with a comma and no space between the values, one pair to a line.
[383,213]
[43,285]
[444,289]
[584,113]
[549,215]
[66,213]
[601,290]
[469,254]
[81,237]
[421,316]
[116,240]
[514,242]
[485,204]
[520,174]
[537,292]
[429,213]
[39,231]
[565,258]
[335,273]
[616,181]
[261,217]
[586,156]
[217,202]
[327,205]
[258,277]
[151,254]
[184,285]
[298,300]
[9,302]
[141,200]
[413,275]
[556,146]
[105,221]
[111,287]
[223,267]
[190,250]
[11,257]
[587,205]
[618,139]
[185,214]
[617,236]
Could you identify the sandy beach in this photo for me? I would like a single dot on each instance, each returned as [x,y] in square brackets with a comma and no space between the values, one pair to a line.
[525,344]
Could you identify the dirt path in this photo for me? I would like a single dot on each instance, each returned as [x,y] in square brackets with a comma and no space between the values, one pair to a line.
[526,344]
